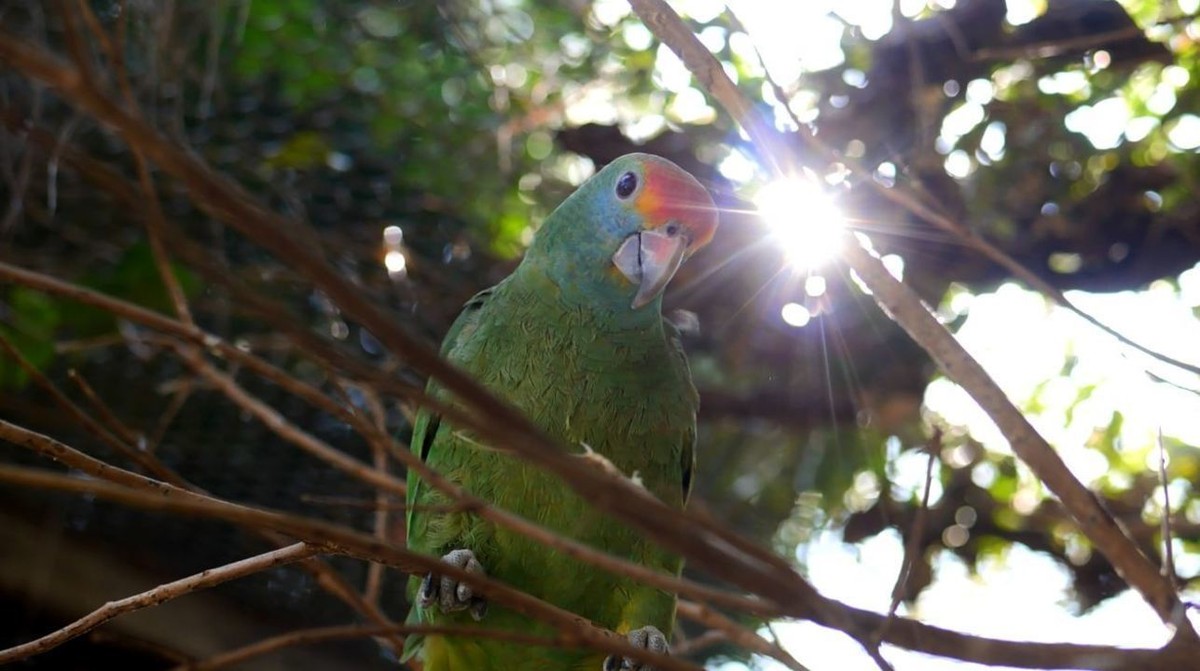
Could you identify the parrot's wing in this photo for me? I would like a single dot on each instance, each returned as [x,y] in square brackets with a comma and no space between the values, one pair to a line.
[687,452]
[425,431]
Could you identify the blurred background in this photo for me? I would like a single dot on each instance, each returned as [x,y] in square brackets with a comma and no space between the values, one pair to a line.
[422,143]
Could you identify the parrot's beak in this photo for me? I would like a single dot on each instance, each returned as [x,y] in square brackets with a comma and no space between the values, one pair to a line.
[649,259]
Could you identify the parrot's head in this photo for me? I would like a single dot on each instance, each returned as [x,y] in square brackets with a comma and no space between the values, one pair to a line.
[618,240]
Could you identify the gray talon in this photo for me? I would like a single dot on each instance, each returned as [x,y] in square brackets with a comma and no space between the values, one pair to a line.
[647,637]
[448,593]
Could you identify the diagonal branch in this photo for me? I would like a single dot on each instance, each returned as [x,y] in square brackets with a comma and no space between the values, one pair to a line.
[905,307]
[344,632]
[160,594]
[1093,519]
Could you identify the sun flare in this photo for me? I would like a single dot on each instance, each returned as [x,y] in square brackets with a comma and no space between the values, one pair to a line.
[803,219]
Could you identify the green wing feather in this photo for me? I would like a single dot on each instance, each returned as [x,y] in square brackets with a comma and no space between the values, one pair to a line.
[425,431]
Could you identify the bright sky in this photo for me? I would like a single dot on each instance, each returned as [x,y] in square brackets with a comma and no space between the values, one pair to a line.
[1022,595]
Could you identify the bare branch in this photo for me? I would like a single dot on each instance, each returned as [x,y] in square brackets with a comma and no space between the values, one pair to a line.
[1168,558]
[84,419]
[734,632]
[160,594]
[343,632]
[913,547]
[277,423]
[104,412]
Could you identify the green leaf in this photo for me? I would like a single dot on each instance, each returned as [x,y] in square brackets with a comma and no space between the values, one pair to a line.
[33,319]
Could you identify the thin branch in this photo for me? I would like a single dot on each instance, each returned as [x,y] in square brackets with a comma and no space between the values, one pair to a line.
[912,548]
[1168,558]
[670,29]
[160,594]
[104,412]
[278,424]
[694,645]
[1054,47]
[73,411]
[373,584]
[736,633]
[344,632]
[154,219]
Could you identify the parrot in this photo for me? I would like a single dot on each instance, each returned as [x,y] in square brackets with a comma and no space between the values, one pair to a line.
[574,338]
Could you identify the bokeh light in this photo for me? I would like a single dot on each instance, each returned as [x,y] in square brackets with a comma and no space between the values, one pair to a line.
[795,314]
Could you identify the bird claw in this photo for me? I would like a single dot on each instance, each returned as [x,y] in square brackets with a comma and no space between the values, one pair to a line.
[647,637]
[448,593]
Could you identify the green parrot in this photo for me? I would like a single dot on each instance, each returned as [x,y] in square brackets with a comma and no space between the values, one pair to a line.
[575,339]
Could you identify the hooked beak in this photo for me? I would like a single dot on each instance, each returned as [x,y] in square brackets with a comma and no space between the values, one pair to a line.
[649,259]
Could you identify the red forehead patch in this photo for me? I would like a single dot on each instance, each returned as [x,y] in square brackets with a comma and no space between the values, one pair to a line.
[670,194]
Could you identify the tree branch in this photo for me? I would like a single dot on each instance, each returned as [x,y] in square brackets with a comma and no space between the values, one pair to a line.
[160,594]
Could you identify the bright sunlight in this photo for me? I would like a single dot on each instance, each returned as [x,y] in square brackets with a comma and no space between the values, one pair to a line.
[803,219]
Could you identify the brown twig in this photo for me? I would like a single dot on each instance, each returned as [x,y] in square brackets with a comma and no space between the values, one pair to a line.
[105,413]
[278,424]
[79,415]
[343,632]
[1168,558]
[912,548]
[1054,47]
[379,455]
[160,594]
[694,645]
[736,633]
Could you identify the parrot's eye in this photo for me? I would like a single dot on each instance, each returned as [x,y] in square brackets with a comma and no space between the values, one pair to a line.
[626,185]
[672,228]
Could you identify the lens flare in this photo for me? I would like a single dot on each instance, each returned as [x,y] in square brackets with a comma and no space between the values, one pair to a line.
[804,220]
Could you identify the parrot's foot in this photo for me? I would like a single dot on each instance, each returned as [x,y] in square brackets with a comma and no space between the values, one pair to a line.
[448,593]
[647,637]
